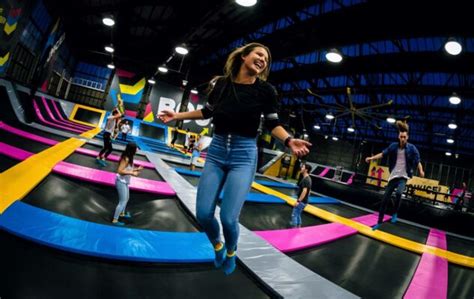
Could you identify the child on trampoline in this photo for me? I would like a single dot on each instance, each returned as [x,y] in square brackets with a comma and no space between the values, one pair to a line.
[124,172]
[108,131]
[304,189]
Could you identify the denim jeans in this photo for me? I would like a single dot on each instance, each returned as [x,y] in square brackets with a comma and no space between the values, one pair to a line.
[399,184]
[124,194]
[105,152]
[296,214]
[230,167]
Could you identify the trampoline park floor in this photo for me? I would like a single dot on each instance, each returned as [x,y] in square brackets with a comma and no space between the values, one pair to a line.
[34,270]
[387,270]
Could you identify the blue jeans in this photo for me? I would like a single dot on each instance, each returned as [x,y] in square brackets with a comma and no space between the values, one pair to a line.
[296,214]
[124,195]
[230,167]
[399,184]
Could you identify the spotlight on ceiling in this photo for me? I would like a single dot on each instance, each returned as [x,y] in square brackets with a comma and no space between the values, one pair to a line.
[109,49]
[152,81]
[329,116]
[111,66]
[335,138]
[350,130]
[317,127]
[391,120]
[448,154]
[181,50]
[454,99]
[450,140]
[108,21]
[246,3]
[334,56]
[163,69]
[453,47]
[452,126]
[194,91]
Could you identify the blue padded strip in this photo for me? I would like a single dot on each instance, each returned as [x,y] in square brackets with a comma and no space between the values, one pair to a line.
[88,238]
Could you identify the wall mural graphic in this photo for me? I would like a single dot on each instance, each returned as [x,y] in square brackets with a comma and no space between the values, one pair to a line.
[132,89]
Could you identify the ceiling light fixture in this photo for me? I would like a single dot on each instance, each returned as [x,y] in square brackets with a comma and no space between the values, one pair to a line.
[108,21]
[109,49]
[163,69]
[335,138]
[329,116]
[317,127]
[111,66]
[452,126]
[448,154]
[453,47]
[350,129]
[181,50]
[334,56]
[194,91]
[391,120]
[454,99]
[246,3]
[151,81]
[450,140]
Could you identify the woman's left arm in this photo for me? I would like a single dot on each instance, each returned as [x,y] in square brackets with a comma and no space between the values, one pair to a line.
[299,147]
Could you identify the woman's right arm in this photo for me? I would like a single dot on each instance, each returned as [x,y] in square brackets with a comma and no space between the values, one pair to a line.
[169,115]
[375,157]
[123,165]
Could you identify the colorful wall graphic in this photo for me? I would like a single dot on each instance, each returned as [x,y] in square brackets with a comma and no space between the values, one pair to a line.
[10,13]
[130,87]
[166,96]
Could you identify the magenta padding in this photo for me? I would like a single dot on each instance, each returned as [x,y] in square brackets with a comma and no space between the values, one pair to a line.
[371,219]
[21,133]
[287,240]
[437,238]
[114,158]
[108,178]
[349,181]
[430,279]
[61,118]
[454,193]
[431,276]
[92,175]
[80,150]
[59,122]
[40,116]
[14,152]
[53,118]
[323,173]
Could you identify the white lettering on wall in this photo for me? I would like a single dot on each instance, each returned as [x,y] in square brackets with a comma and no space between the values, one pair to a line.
[166,104]
[170,104]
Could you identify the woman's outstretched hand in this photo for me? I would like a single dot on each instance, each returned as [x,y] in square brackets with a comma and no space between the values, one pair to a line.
[167,115]
[299,147]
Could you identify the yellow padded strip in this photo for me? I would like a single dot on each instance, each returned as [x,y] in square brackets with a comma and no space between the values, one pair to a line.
[406,244]
[20,179]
